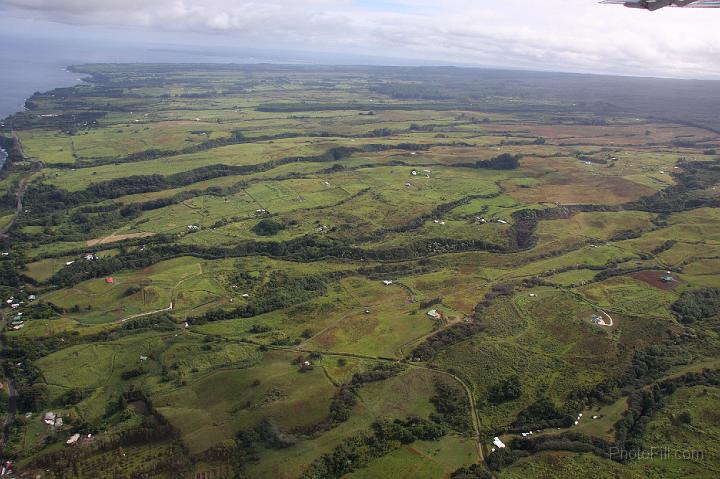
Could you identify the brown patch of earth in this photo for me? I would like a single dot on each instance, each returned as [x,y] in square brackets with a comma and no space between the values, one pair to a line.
[113,238]
[654,278]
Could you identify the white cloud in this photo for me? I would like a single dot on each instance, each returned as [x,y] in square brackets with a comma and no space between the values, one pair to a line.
[577,35]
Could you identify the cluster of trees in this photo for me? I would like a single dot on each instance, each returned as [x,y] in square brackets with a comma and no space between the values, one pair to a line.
[697,304]
[567,441]
[268,227]
[507,390]
[71,396]
[474,471]
[498,290]
[521,234]
[341,406]
[503,457]
[664,247]
[612,271]
[132,373]
[269,434]
[652,362]
[380,372]
[541,414]
[505,161]
[9,274]
[358,451]
[626,235]
[451,406]
[450,335]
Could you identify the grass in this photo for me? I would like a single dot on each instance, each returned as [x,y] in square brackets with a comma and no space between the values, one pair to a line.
[392,321]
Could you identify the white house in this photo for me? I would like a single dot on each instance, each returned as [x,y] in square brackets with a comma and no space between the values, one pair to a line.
[433,313]
[498,443]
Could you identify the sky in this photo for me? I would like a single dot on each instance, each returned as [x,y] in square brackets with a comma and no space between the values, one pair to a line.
[556,35]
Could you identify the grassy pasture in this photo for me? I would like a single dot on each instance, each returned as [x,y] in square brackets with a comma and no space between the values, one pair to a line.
[392,321]
[598,226]
[630,296]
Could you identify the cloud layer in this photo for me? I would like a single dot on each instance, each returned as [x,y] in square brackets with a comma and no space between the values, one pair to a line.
[574,35]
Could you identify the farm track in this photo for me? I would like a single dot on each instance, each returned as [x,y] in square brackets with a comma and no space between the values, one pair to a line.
[148,313]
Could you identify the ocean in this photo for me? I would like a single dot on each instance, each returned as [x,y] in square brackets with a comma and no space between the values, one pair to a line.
[29,68]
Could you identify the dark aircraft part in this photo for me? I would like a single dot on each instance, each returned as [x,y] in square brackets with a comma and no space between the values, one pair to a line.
[653,5]
[650,4]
